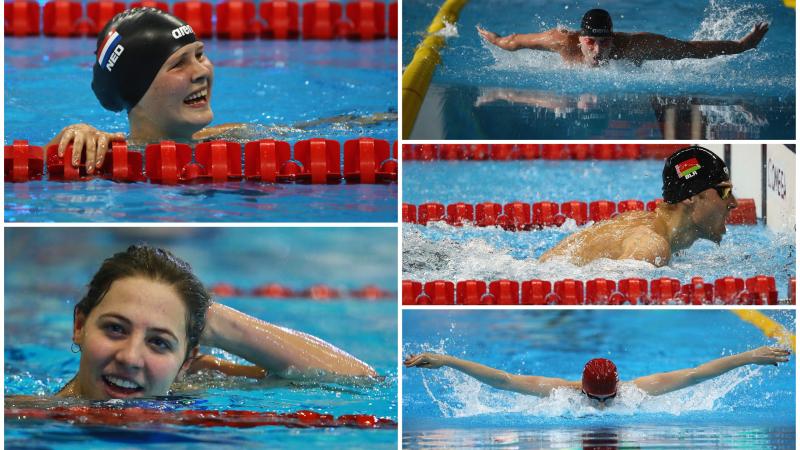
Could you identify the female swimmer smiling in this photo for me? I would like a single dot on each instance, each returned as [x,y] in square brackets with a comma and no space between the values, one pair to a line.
[145,313]
[150,64]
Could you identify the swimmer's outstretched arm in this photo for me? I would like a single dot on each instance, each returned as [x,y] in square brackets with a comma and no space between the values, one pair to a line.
[662,383]
[644,46]
[280,351]
[86,138]
[524,384]
[551,40]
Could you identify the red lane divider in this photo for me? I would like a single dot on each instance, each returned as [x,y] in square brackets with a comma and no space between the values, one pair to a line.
[757,290]
[93,415]
[520,216]
[315,292]
[507,152]
[316,161]
[235,19]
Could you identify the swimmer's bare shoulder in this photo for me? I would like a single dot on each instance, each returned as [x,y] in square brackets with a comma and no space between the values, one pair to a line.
[645,244]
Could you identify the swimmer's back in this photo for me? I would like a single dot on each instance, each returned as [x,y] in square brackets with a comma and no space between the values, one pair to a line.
[612,239]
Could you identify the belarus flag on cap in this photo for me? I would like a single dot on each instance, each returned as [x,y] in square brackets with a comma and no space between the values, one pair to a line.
[687,167]
[111,41]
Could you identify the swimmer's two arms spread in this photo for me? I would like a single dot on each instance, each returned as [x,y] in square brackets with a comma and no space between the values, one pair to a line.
[662,383]
[280,351]
[551,40]
[649,46]
[524,384]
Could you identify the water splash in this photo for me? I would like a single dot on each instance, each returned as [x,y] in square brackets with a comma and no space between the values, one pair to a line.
[442,252]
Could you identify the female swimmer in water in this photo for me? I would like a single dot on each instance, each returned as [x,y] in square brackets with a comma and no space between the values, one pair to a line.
[140,324]
[150,64]
[600,380]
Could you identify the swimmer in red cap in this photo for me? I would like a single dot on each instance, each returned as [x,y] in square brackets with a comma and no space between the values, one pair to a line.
[698,198]
[600,381]
[596,43]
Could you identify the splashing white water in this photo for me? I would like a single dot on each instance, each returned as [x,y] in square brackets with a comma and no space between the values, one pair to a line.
[450,30]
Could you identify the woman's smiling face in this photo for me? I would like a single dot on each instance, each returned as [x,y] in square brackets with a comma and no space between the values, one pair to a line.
[133,343]
[178,102]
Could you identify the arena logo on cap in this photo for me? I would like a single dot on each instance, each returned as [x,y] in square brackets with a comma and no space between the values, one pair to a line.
[107,57]
[180,32]
[688,168]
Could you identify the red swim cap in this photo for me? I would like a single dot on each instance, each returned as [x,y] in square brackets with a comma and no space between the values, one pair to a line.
[600,377]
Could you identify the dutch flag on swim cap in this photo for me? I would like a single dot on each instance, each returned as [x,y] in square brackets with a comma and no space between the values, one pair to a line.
[106,49]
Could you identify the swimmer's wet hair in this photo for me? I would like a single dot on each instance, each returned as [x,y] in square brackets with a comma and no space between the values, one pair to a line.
[158,265]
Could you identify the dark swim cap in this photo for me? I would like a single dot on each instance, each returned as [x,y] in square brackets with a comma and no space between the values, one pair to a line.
[130,51]
[690,171]
[599,377]
[596,23]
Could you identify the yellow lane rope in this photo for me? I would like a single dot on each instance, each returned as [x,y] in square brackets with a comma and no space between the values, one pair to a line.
[789,3]
[419,72]
[769,327]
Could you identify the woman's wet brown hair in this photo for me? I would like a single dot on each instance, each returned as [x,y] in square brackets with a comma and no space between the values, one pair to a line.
[158,265]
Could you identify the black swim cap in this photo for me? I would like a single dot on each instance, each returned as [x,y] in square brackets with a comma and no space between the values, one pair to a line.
[130,51]
[690,171]
[596,23]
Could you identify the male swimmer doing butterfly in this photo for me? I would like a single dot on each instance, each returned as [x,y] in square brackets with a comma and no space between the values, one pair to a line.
[600,381]
[596,43]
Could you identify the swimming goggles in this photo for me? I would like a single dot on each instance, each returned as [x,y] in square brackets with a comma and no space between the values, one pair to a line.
[723,191]
[600,398]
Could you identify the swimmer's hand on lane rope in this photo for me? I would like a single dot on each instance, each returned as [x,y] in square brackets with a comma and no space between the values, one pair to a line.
[96,143]
[425,360]
[766,355]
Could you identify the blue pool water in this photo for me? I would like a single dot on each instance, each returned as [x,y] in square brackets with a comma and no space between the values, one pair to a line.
[286,90]
[440,251]
[479,91]
[749,407]
[45,270]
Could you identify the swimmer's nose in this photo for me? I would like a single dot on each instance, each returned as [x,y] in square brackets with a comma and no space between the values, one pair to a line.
[130,354]
[200,71]
[732,202]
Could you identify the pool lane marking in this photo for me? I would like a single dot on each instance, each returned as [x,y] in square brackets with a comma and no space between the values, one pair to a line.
[769,327]
[419,71]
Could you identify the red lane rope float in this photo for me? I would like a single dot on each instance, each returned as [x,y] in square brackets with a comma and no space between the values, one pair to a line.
[520,216]
[757,290]
[314,292]
[235,19]
[316,161]
[88,415]
[506,152]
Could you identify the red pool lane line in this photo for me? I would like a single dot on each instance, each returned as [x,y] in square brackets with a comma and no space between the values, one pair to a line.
[314,292]
[520,216]
[364,20]
[757,290]
[89,415]
[315,161]
[510,152]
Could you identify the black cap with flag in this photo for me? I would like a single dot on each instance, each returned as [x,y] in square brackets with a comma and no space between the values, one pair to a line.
[690,171]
